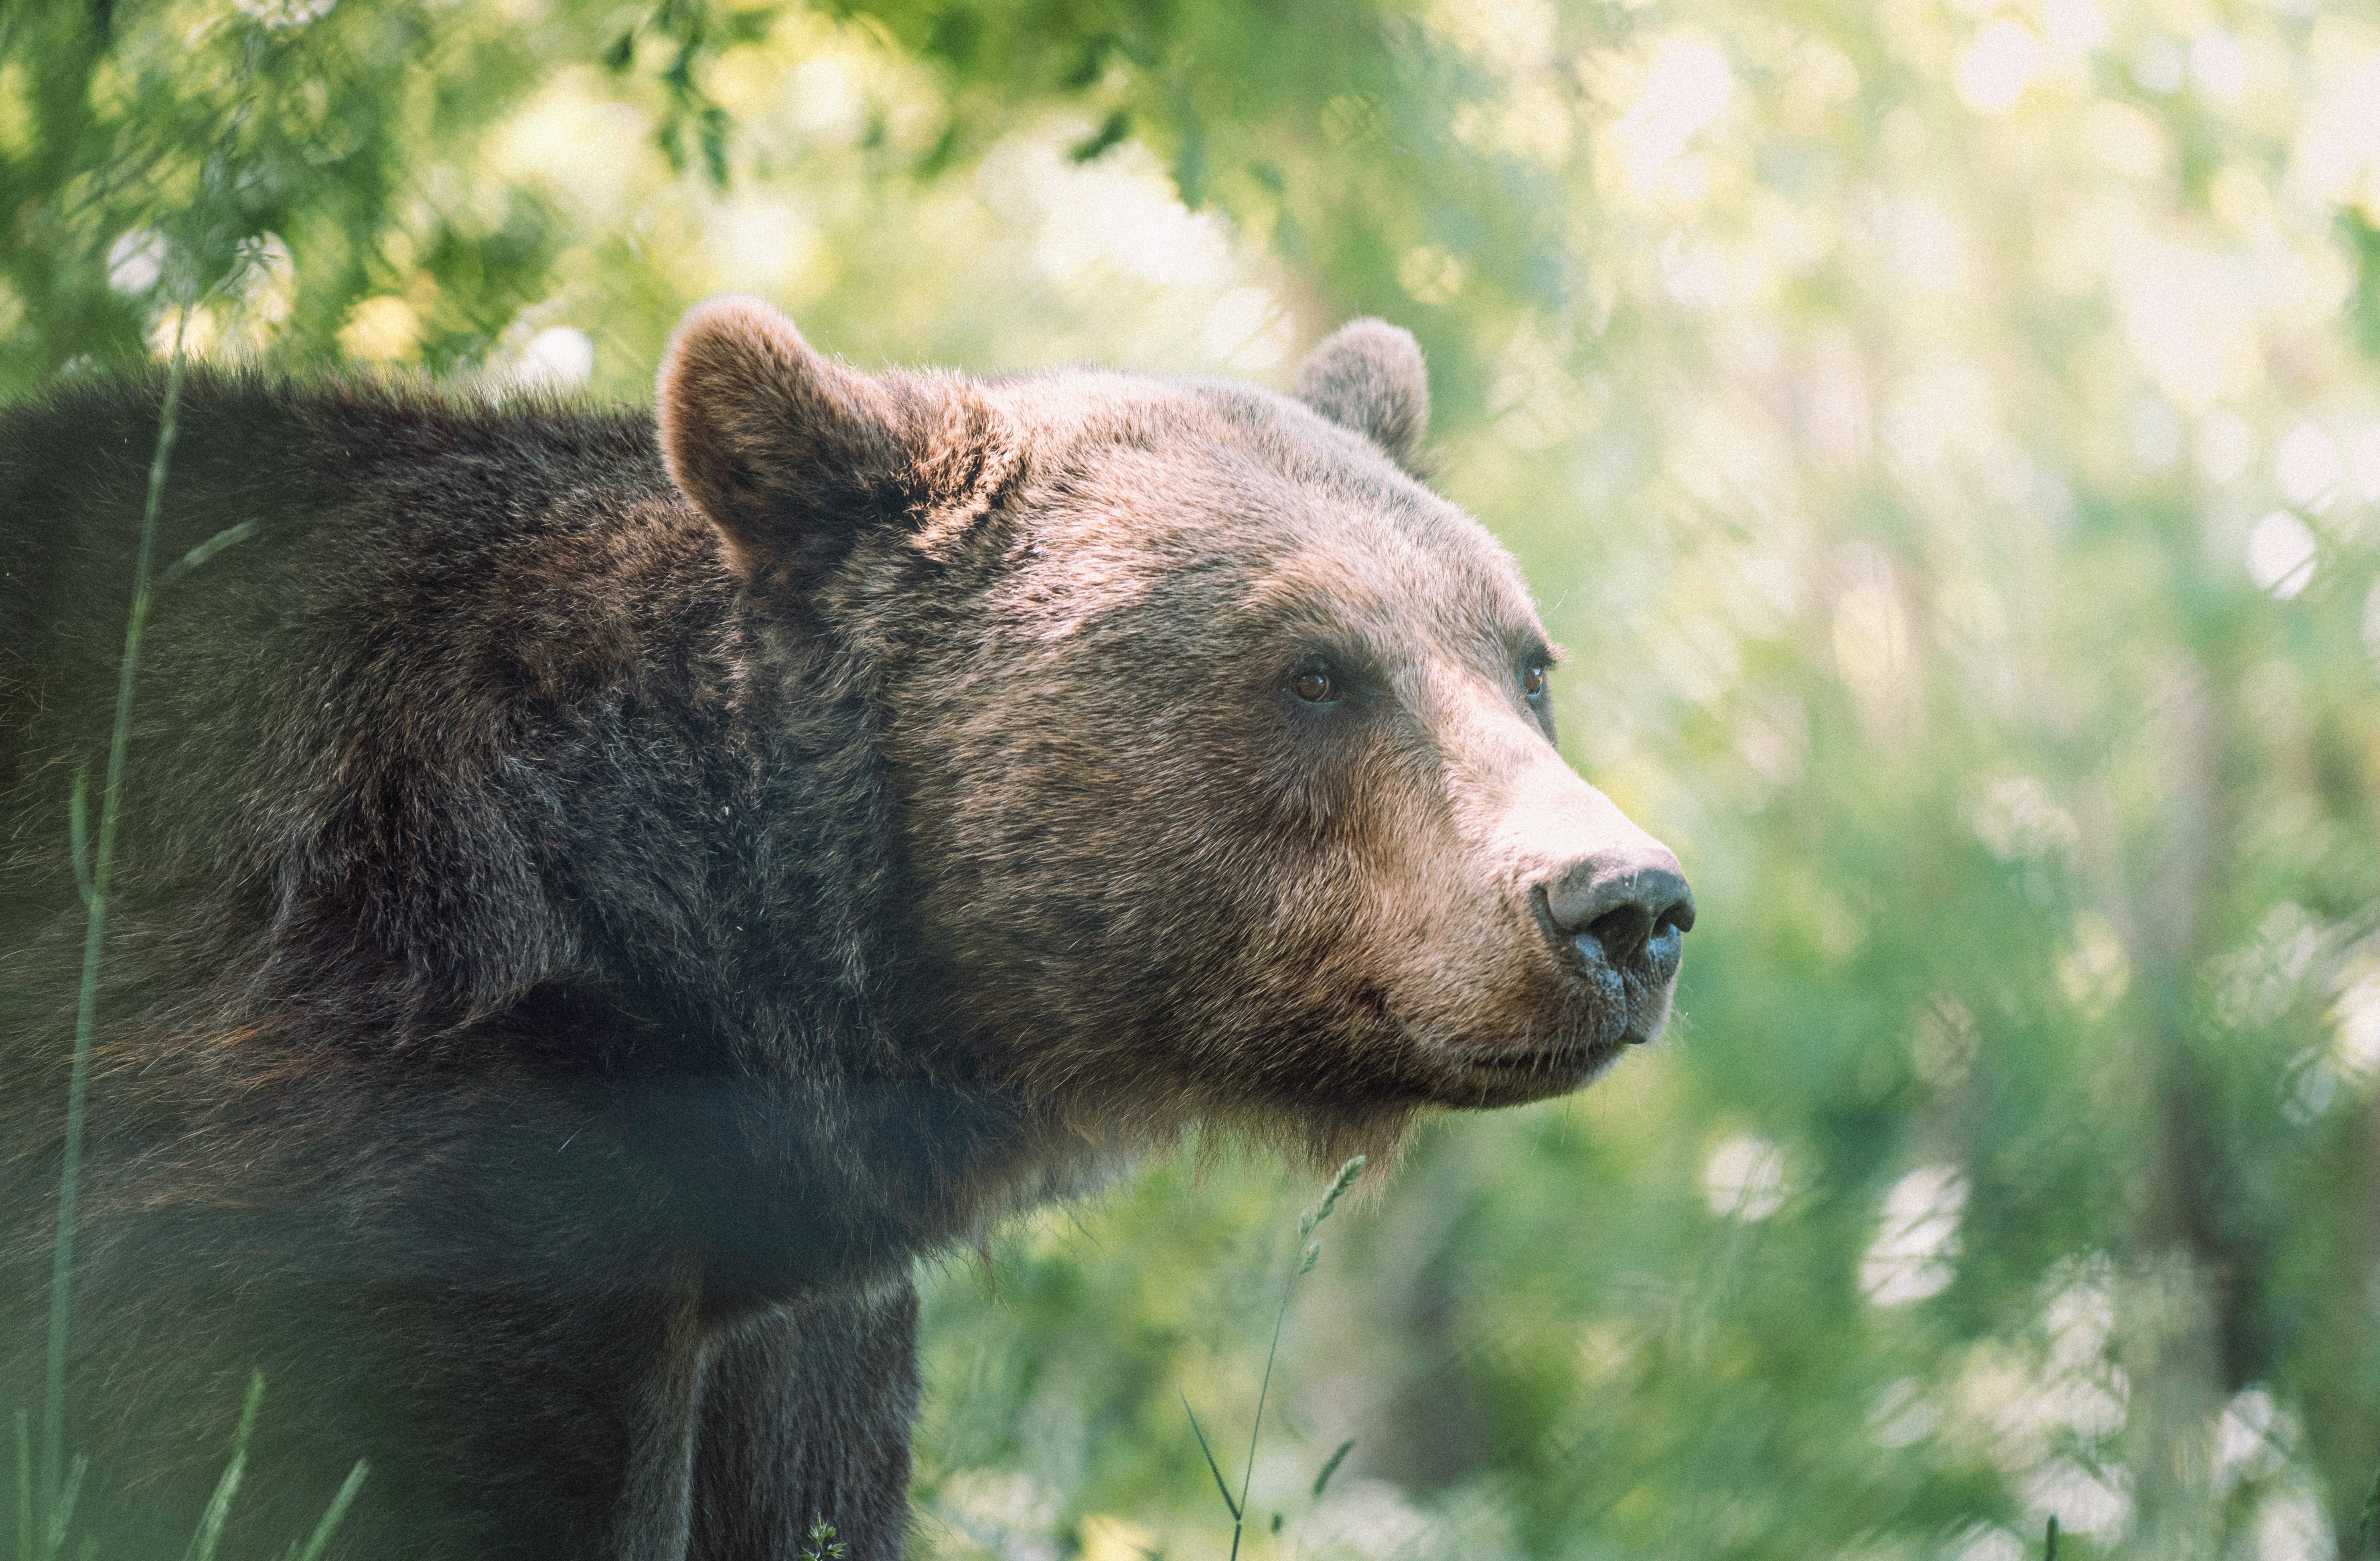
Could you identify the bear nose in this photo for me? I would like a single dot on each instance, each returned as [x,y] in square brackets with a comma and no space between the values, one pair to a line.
[1627,901]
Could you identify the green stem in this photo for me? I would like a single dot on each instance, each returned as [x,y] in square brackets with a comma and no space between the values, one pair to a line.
[338,1510]
[1247,1476]
[94,936]
[24,1489]
[211,1522]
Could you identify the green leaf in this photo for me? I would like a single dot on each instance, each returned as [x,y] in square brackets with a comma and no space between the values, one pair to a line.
[1330,1466]
[332,1514]
[209,548]
[24,1486]
[62,1512]
[710,134]
[747,26]
[211,1522]
[1211,1467]
[1116,126]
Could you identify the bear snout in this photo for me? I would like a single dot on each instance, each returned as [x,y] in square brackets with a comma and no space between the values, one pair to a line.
[1621,915]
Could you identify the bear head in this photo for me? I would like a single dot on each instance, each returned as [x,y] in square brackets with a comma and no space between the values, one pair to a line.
[1225,748]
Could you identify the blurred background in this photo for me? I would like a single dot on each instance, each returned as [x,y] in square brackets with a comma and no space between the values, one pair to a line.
[1946,435]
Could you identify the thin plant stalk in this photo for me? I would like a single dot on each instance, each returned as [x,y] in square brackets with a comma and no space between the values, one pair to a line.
[1322,1484]
[1247,1475]
[338,1510]
[24,1488]
[211,1522]
[94,937]
[62,1515]
[1221,1485]
[1308,1258]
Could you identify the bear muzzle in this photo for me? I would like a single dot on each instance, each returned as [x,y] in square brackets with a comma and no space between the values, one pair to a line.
[1618,918]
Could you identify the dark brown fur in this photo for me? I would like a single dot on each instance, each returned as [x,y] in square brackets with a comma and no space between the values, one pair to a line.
[593,910]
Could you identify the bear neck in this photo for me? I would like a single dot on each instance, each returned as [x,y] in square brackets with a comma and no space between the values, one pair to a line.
[756,965]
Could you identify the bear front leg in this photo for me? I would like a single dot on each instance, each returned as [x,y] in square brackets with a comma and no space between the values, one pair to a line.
[805,1418]
[496,1426]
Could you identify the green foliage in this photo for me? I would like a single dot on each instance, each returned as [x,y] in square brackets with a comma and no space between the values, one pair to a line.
[1947,435]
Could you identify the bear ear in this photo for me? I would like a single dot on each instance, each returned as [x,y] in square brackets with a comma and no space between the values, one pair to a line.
[1369,377]
[791,455]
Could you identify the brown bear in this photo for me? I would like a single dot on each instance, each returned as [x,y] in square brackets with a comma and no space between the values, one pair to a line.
[601,893]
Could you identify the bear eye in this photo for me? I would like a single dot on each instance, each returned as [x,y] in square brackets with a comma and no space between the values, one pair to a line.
[1315,688]
[1533,680]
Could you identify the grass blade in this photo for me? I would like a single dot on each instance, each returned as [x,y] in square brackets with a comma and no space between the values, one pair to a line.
[1211,1466]
[1306,1225]
[24,1487]
[211,1522]
[94,938]
[1256,1426]
[1330,1466]
[332,1514]
[210,547]
[62,1510]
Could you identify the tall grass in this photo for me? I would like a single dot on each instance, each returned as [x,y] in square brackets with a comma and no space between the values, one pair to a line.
[1309,1254]
[93,870]
[46,1504]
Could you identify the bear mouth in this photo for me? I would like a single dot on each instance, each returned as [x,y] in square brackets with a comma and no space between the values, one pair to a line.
[1540,1073]
[1589,1016]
